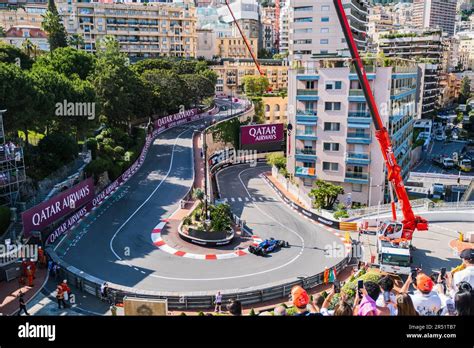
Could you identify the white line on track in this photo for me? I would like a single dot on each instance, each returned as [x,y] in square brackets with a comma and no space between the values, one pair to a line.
[149,197]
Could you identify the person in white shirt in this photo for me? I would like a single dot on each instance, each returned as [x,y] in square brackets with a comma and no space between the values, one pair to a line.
[218,302]
[467,274]
[425,301]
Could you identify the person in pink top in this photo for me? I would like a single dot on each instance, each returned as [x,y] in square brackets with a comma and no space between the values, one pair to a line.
[367,306]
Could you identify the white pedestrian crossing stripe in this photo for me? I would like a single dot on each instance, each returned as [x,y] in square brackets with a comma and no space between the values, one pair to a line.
[232,199]
[239,199]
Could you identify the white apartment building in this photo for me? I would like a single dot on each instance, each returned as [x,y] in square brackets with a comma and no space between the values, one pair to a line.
[285,17]
[333,136]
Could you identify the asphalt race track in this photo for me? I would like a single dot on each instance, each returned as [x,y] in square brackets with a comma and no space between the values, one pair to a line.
[114,243]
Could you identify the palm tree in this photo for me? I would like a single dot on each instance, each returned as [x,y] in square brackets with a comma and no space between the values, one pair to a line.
[27,46]
[76,40]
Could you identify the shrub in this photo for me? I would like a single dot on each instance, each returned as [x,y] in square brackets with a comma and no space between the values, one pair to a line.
[201,314]
[252,313]
[351,287]
[56,150]
[97,167]
[187,220]
[119,151]
[277,160]
[291,311]
[341,214]
[91,144]
[5,219]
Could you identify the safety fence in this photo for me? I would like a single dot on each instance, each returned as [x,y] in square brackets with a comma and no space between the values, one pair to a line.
[199,300]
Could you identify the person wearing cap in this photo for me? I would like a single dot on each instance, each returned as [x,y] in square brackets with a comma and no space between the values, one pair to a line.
[300,299]
[467,274]
[425,300]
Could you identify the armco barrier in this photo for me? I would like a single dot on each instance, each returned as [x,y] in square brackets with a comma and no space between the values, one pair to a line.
[197,300]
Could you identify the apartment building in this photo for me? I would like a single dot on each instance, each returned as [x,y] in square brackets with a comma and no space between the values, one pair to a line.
[315,28]
[28,15]
[426,47]
[143,30]
[435,14]
[230,73]
[466,49]
[234,47]
[269,29]
[283,28]
[333,137]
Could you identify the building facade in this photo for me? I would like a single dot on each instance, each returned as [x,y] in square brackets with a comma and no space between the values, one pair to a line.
[333,137]
[158,29]
[230,73]
[426,47]
[435,14]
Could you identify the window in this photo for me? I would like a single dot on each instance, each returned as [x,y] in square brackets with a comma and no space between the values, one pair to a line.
[303,8]
[323,52]
[303,30]
[356,187]
[324,19]
[324,8]
[304,20]
[331,146]
[303,42]
[331,166]
[324,41]
[324,30]
[333,85]
[332,126]
[332,106]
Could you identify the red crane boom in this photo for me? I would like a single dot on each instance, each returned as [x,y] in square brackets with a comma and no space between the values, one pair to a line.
[411,222]
[246,41]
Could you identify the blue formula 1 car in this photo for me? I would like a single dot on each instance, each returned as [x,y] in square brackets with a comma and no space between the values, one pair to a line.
[268,246]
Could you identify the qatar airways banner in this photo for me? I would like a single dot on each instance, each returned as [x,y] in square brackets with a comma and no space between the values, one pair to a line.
[262,136]
[160,126]
[42,215]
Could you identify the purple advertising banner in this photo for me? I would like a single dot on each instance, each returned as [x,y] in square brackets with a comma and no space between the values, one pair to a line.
[42,215]
[261,133]
[161,125]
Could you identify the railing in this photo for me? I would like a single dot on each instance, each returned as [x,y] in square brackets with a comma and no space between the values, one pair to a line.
[305,152]
[305,134]
[361,114]
[384,208]
[306,112]
[359,135]
[307,71]
[358,155]
[362,176]
[307,92]
[356,92]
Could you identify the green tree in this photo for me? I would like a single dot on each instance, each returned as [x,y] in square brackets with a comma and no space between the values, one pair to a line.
[221,218]
[69,61]
[52,24]
[30,49]
[325,194]
[56,150]
[10,54]
[277,160]
[198,194]
[255,85]
[166,88]
[2,32]
[18,96]
[76,41]
[198,87]
[465,92]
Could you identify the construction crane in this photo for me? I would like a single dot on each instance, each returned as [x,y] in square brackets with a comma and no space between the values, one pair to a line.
[246,41]
[410,221]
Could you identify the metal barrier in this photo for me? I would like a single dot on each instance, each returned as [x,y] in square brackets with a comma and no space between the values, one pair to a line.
[184,301]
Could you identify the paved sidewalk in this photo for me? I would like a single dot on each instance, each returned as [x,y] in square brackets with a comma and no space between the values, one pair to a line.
[45,304]
[9,292]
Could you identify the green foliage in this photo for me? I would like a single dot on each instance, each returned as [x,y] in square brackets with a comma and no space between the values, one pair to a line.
[291,311]
[221,218]
[276,159]
[465,92]
[53,26]
[227,132]
[252,313]
[56,150]
[91,144]
[350,287]
[341,212]
[198,194]
[5,219]
[187,220]
[97,167]
[69,61]
[255,85]
[9,54]
[324,194]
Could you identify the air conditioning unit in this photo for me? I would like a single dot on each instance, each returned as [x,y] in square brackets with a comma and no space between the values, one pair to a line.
[469,237]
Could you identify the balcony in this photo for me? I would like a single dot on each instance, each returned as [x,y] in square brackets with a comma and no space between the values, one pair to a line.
[358,158]
[359,117]
[356,95]
[305,154]
[307,94]
[305,172]
[306,117]
[302,135]
[357,178]
[359,138]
